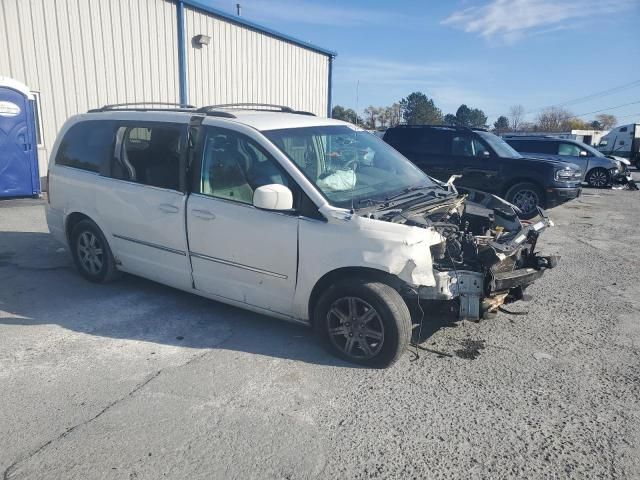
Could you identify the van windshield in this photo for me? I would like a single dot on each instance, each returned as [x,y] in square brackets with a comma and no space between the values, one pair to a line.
[349,166]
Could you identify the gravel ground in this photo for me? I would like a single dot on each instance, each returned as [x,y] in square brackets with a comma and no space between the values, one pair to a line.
[135,380]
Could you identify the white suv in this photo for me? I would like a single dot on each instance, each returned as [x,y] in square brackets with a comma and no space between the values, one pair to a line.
[280,212]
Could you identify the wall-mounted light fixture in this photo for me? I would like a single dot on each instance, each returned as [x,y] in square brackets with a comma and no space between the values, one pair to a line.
[199,40]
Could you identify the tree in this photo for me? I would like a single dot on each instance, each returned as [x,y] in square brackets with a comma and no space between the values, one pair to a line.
[607,121]
[576,124]
[395,114]
[463,116]
[383,116]
[554,119]
[478,118]
[347,114]
[501,125]
[516,117]
[596,125]
[450,119]
[466,117]
[371,117]
[417,109]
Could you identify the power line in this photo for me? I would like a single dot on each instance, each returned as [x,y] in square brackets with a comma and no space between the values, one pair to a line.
[604,109]
[630,115]
[602,93]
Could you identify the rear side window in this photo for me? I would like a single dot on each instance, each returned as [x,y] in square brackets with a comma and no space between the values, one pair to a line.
[87,146]
[422,141]
[569,149]
[149,154]
[401,137]
[534,146]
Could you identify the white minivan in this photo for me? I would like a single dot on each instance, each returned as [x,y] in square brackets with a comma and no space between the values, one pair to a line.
[307,219]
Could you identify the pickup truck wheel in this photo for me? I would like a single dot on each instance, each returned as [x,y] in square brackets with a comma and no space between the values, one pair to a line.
[363,322]
[598,178]
[91,253]
[527,197]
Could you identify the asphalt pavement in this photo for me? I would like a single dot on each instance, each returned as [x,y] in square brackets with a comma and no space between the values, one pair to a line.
[134,380]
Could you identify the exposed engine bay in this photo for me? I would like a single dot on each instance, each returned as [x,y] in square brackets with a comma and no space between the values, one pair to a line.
[487,256]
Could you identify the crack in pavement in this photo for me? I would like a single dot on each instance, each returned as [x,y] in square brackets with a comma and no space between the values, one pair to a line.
[11,468]
[69,430]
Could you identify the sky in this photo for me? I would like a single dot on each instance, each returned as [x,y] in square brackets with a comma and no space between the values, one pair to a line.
[487,54]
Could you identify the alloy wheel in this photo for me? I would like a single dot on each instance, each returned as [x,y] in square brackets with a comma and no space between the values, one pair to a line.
[598,179]
[526,200]
[90,252]
[355,327]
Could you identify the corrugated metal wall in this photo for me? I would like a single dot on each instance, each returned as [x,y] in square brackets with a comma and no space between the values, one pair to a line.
[243,65]
[81,54]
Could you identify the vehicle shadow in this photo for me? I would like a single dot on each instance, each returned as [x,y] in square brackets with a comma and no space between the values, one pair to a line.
[40,286]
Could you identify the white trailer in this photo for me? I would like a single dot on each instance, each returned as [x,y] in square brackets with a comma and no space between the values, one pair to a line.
[623,141]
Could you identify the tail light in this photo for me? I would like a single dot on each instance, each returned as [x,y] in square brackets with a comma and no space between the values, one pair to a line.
[48,189]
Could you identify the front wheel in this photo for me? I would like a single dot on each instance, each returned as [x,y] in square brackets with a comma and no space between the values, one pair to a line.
[527,197]
[598,178]
[364,322]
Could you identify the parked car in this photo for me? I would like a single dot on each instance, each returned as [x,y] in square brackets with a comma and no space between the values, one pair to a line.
[623,141]
[307,219]
[487,163]
[599,170]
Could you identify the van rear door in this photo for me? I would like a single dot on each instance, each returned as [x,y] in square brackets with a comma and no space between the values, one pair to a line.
[143,204]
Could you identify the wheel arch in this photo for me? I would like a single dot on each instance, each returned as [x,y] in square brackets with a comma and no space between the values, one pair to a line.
[342,273]
[72,220]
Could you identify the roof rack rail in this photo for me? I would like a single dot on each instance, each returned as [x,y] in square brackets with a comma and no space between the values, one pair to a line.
[455,127]
[141,106]
[267,107]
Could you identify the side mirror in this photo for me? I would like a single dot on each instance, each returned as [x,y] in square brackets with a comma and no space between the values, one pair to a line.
[273,197]
[484,154]
[583,153]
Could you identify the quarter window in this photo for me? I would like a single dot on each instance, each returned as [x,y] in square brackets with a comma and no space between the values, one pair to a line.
[233,166]
[87,146]
[149,154]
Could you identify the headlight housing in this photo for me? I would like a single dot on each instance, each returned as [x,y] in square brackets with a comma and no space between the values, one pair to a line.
[568,175]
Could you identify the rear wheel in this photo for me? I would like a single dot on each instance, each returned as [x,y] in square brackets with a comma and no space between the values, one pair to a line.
[91,253]
[527,197]
[364,322]
[598,178]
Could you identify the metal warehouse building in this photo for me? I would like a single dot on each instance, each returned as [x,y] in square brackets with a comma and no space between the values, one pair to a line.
[74,55]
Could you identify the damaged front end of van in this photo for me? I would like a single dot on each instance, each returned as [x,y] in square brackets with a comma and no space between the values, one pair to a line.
[484,256]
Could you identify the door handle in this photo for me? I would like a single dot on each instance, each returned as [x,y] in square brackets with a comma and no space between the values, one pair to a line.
[166,208]
[203,214]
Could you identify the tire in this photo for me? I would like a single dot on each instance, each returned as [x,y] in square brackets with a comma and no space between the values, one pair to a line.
[598,178]
[527,197]
[380,337]
[91,253]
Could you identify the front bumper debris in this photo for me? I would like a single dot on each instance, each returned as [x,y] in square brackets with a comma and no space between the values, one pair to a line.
[511,267]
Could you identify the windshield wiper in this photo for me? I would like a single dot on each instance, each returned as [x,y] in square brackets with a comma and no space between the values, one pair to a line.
[409,191]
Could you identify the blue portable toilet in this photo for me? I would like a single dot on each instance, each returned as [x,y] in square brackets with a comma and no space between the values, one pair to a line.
[19,176]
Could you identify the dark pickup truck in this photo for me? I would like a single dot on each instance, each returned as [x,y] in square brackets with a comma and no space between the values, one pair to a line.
[487,163]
